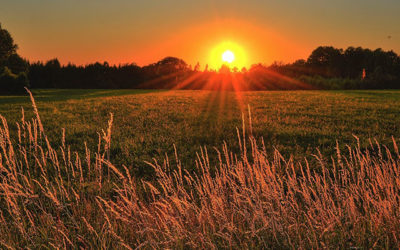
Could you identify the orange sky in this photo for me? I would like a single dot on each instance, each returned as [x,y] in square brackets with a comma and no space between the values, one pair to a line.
[124,31]
[194,44]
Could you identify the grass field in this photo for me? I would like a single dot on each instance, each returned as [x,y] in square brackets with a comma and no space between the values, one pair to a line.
[112,195]
[148,123]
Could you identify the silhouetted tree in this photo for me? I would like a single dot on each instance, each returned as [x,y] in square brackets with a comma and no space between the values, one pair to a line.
[224,69]
[52,67]
[171,64]
[7,45]
[16,64]
[13,77]
[355,61]
[328,61]
[12,83]
[197,67]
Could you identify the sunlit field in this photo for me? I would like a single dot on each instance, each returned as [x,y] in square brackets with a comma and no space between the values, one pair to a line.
[147,124]
[199,125]
[178,169]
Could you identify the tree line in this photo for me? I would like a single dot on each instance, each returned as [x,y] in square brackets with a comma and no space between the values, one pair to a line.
[355,68]
[326,68]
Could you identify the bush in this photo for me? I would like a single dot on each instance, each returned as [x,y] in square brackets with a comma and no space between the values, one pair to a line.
[12,83]
[320,82]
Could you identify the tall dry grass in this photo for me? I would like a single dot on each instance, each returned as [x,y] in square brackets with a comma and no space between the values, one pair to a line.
[56,198]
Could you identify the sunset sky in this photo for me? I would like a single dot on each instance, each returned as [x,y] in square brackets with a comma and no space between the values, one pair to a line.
[143,32]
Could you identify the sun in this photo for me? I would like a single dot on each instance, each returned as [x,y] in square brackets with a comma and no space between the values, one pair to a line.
[229,53]
[228,56]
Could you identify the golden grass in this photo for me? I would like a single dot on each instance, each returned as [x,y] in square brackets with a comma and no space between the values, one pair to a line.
[57,198]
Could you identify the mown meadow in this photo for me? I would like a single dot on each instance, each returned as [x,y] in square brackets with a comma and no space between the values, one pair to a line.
[200,169]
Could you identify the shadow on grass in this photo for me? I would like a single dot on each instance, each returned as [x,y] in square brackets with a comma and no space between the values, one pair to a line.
[54,95]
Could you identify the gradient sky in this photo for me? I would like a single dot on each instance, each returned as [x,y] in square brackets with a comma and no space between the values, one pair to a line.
[122,31]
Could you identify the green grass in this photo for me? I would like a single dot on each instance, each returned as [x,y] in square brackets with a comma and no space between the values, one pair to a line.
[249,197]
[148,123]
